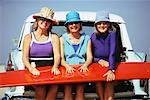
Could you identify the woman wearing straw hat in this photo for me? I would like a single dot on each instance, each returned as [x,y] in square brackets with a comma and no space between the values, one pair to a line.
[75,49]
[104,48]
[38,50]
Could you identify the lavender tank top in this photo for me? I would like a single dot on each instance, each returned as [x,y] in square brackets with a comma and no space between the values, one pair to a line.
[41,50]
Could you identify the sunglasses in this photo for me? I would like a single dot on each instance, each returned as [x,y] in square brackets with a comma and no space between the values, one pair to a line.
[44,19]
[103,22]
[71,23]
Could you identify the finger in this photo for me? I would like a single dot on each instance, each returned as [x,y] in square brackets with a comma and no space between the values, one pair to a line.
[81,70]
[73,69]
[36,73]
[107,64]
[102,65]
[108,78]
[33,73]
[105,75]
[111,78]
[70,71]
[54,72]
[67,71]
[85,70]
[114,77]
[58,71]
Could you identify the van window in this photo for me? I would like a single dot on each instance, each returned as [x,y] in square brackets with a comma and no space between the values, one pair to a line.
[87,28]
[62,29]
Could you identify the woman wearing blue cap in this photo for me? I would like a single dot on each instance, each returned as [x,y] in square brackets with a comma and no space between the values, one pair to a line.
[104,48]
[75,49]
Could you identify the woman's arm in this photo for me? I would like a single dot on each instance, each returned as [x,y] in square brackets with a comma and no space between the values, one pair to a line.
[56,49]
[63,62]
[110,74]
[112,51]
[89,58]
[25,55]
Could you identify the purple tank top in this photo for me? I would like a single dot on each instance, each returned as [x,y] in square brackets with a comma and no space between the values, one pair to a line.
[39,50]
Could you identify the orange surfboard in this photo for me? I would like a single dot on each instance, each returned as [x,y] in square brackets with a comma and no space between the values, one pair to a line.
[124,71]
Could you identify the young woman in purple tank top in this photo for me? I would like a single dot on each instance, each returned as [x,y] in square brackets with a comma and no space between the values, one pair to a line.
[104,48]
[38,50]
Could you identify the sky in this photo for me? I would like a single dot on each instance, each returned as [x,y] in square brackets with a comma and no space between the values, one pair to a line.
[135,13]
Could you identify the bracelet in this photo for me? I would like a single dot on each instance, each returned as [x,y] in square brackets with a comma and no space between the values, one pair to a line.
[112,70]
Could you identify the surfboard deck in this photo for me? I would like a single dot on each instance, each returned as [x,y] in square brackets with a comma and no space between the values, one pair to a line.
[124,71]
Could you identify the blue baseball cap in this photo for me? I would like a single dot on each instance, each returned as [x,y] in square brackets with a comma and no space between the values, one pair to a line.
[102,16]
[72,16]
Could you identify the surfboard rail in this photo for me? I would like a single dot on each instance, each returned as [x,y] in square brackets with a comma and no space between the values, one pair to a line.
[124,71]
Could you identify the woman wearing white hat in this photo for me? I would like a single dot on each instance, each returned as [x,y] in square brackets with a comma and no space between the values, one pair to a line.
[75,49]
[38,51]
[104,49]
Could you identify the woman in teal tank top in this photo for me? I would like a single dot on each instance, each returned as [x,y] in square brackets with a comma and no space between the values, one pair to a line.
[75,49]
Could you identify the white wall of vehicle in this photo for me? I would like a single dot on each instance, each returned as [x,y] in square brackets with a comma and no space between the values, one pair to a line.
[0,32]
[134,12]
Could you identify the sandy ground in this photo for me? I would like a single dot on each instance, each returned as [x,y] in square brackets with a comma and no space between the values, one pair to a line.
[2,90]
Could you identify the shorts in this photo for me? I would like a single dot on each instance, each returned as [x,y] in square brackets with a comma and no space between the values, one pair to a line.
[41,63]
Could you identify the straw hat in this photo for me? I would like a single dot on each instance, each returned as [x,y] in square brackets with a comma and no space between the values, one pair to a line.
[47,13]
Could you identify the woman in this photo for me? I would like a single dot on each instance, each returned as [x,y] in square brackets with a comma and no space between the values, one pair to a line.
[38,50]
[104,48]
[75,49]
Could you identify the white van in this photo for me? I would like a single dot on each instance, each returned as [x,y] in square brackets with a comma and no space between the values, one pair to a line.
[126,52]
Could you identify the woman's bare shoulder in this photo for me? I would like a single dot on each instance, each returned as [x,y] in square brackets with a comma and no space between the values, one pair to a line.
[28,37]
[55,37]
